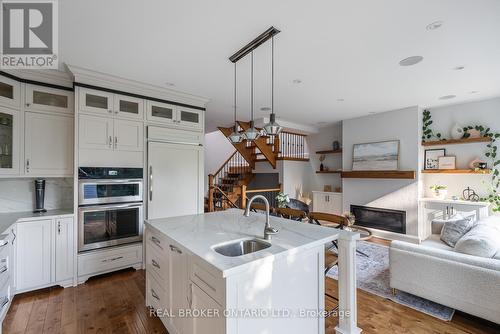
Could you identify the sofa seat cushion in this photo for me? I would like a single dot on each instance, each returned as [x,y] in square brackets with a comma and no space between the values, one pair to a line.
[434,241]
[454,229]
[482,240]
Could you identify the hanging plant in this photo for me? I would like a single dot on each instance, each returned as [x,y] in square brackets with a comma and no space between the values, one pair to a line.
[427,132]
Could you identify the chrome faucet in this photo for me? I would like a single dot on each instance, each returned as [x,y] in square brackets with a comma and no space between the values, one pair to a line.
[268,230]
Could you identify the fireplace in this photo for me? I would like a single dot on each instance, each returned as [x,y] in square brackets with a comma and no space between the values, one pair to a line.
[381,219]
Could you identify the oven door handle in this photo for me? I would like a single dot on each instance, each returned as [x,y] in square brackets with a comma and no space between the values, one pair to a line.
[109,207]
[108,181]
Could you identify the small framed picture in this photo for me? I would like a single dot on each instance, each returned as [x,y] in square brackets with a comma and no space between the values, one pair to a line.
[327,188]
[447,162]
[431,158]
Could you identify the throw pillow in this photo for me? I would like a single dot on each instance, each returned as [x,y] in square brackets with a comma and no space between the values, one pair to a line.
[483,240]
[453,230]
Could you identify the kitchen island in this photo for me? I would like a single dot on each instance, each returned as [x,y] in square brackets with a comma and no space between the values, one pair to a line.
[214,273]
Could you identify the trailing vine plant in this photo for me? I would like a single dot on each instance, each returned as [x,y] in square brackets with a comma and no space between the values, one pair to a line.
[491,153]
[427,132]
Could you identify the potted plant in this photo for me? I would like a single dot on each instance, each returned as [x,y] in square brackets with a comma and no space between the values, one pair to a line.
[439,191]
[351,219]
[282,199]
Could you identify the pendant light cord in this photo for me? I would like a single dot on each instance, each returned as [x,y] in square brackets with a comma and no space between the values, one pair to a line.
[235,96]
[272,75]
[251,88]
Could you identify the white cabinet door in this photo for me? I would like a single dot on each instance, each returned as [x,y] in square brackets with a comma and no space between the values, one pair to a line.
[178,287]
[319,202]
[95,132]
[201,301]
[160,112]
[48,144]
[33,264]
[175,179]
[64,249]
[128,107]
[49,99]
[10,92]
[128,135]
[190,118]
[95,101]
[9,141]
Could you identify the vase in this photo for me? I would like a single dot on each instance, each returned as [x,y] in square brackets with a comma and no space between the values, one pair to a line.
[440,193]
[321,167]
[336,145]
[457,131]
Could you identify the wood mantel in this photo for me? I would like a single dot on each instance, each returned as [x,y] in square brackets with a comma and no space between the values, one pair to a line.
[379,174]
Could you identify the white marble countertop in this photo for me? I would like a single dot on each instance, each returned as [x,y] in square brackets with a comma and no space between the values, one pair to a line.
[7,219]
[457,201]
[200,233]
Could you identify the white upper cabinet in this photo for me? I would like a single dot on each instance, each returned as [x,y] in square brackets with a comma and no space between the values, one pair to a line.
[49,99]
[128,107]
[95,101]
[161,112]
[190,118]
[128,135]
[95,132]
[9,142]
[10,92]
[48,144]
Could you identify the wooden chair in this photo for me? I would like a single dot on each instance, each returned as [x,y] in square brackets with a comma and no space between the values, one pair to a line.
[292,214]
[259,206]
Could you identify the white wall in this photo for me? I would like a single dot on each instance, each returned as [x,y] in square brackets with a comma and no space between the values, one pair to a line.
[19,194]
[487,113]
[217,151]
[402,125]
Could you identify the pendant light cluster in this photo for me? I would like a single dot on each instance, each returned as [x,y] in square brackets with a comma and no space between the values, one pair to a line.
[272,128]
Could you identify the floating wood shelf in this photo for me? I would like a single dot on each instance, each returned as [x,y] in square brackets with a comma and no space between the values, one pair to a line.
[456,141]
[379,174]
[329,152]
[455,171]
[328,171]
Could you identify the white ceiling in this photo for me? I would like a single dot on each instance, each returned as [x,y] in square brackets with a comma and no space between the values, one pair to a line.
[339,50]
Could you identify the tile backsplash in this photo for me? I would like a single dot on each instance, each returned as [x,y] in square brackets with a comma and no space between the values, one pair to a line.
[19,194]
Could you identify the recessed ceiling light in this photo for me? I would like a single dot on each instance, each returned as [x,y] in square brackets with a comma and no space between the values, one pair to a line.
[447,97]
[297,81]
[340,100]
[434,25]
[321,123]
[411,60]
[170,84]
[372,112]
[265,109]
[473,92]
[459,68]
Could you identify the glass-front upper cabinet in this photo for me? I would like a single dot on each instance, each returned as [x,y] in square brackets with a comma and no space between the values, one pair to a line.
[10,92]
[9,141]
[190,118]
[95,101]
[160,112]
[49,99]
[129,107]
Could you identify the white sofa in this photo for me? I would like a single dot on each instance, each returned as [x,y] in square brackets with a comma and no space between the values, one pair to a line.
[435,271]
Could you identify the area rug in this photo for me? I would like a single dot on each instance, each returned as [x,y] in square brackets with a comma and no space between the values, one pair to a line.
[373,277]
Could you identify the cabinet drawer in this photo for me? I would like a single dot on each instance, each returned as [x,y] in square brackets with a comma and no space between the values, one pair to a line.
[156,297]
[156,241]
[174,136]
[210,282]
[4,271]
[156,261]
[106,260]
[5,299]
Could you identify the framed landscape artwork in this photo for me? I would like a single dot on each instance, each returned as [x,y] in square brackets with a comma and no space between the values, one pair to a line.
[431,158]
[376,156]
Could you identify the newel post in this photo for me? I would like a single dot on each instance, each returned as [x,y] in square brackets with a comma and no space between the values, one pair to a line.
[210,193]
[243,196]
[348,313]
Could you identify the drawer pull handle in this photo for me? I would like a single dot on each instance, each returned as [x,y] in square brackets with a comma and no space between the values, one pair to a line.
[154,295]
[4,269]
[157,242]
[155,264]
[205,282]
[6,242]
[175,249]
[113,259]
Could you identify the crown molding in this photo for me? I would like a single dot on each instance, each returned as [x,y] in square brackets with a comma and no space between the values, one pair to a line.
[55,77]
[95,78]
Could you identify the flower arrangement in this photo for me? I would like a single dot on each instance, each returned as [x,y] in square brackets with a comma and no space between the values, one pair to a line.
[351,219]
[440,191]
[282,199]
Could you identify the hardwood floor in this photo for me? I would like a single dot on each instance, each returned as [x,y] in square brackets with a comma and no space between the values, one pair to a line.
[114,303]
